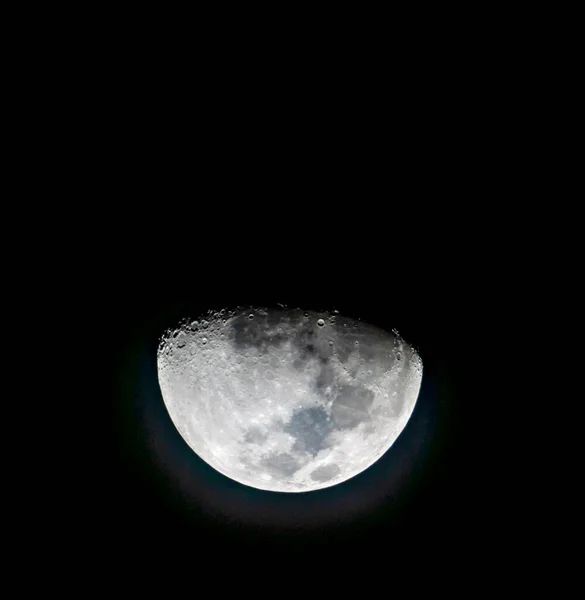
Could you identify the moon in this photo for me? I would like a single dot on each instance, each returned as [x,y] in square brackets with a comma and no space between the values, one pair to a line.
[287,400]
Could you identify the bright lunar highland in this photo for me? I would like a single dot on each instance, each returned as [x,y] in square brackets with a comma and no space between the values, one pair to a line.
[287,400]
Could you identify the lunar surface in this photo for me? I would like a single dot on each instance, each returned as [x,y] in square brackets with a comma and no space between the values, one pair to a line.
[287,400]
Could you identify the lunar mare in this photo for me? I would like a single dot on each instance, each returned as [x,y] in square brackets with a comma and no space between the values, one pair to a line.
[287,400]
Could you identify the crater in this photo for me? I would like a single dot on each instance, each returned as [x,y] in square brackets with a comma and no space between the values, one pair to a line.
[325,473]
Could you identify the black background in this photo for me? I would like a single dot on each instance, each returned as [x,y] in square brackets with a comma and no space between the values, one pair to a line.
[154,509]
[317,213]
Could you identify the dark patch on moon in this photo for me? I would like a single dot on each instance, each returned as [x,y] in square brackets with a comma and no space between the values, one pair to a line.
[325,378]
[299,364]
[369,430]
[325,473]
[255,435]
[310,427]
[273,318]
[303,341]
[264,334]
[280,464]
[305,332]
[371,342]
[306,353]
[245,329]
[351,406]
[307,344]
[345,345]
[261,332]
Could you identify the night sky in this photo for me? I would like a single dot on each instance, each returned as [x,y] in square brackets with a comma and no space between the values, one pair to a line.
[155,509]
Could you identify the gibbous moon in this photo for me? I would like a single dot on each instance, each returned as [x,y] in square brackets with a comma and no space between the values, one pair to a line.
[287,400]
